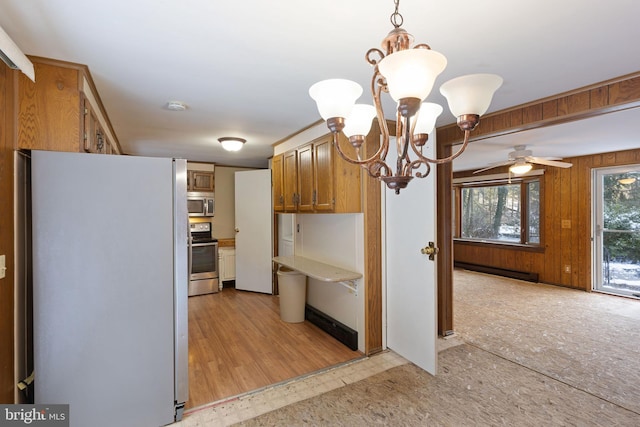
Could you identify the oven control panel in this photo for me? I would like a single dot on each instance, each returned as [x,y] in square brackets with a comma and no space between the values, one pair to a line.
[199,227]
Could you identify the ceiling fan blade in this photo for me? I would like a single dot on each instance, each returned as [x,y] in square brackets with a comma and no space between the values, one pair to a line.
[548,162]
[494,165]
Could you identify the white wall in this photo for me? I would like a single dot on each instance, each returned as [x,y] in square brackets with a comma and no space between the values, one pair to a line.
[335,239]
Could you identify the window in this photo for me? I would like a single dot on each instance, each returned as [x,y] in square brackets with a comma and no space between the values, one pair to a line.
[500,211]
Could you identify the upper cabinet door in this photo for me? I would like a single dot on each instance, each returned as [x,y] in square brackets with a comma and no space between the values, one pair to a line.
[323,175]
[306,186]
[201,181]
[290,182]
[277,188]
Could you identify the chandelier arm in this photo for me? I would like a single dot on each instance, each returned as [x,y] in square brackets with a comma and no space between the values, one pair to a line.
[417,163]
[374,61]
[382,123]
[450,158]
[376,167]
[346,158]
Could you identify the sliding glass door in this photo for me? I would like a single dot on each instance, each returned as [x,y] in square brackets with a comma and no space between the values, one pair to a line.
[616,220]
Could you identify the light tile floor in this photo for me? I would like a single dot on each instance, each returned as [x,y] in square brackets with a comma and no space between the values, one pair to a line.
[258,402]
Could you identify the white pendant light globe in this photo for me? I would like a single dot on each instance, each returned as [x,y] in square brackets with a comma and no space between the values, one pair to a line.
[335,97]
[470,94]
[359,121]
[411,73]
[427,116]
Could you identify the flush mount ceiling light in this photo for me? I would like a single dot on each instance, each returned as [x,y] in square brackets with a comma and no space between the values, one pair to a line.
[407,75]
[176,106]
[231,143]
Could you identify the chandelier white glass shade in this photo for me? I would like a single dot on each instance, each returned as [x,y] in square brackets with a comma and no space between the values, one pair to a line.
[407,74]
[520,167]
[231,143]
[411,73]
[358,122]
[335,97]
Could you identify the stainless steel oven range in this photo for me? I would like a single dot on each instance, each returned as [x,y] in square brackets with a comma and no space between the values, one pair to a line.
[203,259]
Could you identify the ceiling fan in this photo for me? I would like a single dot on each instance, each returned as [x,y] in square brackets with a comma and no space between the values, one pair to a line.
[522,161]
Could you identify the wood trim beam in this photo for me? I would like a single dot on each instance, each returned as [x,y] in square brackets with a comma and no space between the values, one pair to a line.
[444,236]
[617,94]
[373,250]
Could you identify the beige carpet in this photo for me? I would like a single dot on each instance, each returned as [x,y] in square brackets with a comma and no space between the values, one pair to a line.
[535,355]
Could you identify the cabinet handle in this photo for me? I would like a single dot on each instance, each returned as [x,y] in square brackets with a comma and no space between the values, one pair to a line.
[281,199]
[313,199]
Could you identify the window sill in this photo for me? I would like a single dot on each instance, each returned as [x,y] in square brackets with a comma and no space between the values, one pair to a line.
[500,245]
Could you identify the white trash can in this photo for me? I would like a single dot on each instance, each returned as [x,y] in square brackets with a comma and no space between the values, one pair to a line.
[293,294]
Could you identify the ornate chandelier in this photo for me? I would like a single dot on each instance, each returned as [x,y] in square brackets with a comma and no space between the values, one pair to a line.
[407,75]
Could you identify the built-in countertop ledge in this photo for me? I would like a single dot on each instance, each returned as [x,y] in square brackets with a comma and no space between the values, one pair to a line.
[321,271]
[226,243]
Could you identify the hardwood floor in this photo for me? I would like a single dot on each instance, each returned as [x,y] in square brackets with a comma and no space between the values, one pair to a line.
[237,343]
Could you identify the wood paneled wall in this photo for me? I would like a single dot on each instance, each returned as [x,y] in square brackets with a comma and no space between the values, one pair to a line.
[566,198]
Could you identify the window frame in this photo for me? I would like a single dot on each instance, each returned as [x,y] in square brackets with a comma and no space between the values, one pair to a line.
[524,242]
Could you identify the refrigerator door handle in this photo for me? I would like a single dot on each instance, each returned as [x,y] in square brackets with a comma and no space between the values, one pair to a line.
[190,254]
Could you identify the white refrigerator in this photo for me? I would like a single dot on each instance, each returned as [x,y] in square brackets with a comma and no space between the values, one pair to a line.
[110,285]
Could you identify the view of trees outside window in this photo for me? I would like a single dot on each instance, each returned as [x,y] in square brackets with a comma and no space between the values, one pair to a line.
[533,193]
[621,231]
[497,212]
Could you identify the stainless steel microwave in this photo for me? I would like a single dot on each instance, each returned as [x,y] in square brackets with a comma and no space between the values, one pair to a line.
[200,204]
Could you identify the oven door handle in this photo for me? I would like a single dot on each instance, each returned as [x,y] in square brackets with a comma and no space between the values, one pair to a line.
[195,245]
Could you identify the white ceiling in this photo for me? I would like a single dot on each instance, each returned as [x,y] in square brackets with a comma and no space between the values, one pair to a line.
[244,67]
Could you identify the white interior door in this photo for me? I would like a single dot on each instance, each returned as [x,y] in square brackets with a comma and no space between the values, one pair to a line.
[253,231]
[411,299]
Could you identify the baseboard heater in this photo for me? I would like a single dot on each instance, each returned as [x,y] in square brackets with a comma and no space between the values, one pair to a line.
[514,274]
[339,331]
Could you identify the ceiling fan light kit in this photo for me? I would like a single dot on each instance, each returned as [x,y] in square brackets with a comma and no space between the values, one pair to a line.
[407,74]
[521,161]
[520,168]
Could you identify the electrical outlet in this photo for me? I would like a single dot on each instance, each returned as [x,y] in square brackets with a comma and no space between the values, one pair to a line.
[3,266]
[567,269]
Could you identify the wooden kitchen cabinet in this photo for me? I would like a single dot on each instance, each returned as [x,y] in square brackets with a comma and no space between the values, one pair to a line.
[323,174]
[290,180]
[203,181]
[316,179]
[96,139]
[62,110]
[277,177]
[306,184]
[227,258]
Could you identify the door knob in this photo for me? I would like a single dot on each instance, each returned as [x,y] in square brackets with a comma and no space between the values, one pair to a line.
[430,250]
[237,230]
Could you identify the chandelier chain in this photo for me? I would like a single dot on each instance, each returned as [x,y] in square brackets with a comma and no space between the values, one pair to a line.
[396,18]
